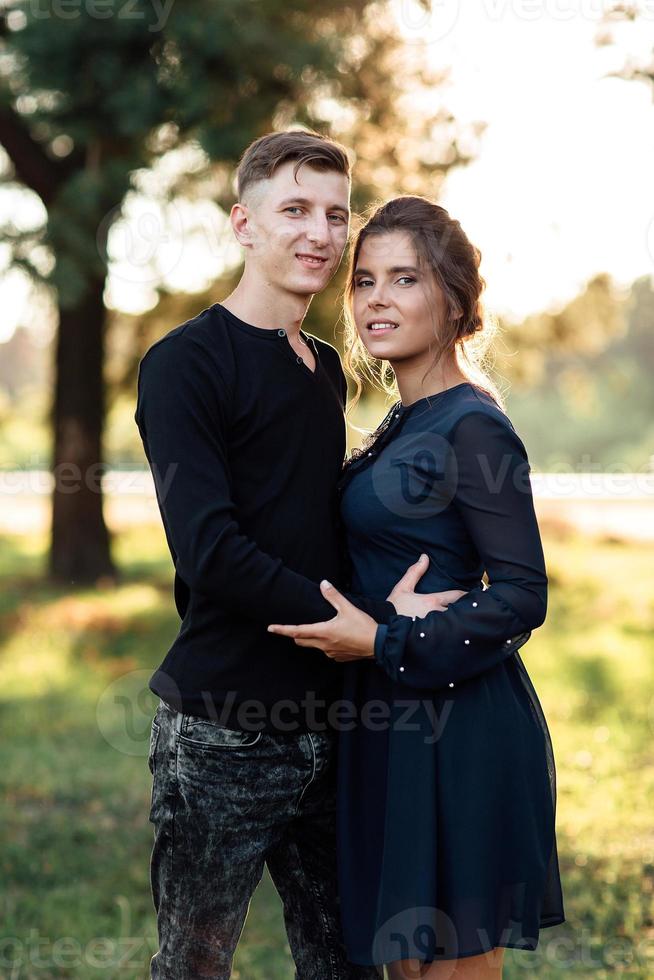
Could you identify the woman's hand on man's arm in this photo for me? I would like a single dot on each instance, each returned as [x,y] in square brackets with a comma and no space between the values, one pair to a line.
[350,635]
[408,602]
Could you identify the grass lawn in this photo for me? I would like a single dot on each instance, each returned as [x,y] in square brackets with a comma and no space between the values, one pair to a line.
[74,786]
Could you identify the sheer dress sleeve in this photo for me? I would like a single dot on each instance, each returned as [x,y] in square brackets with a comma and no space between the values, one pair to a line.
[494,500]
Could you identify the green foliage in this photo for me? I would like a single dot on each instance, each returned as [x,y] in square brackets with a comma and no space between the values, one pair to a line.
[96,97]
[584,398]
[87,99]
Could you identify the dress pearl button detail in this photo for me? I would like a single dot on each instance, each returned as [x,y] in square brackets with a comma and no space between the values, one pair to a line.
[508,641]
[474,605]
[451,684]
[422,636]
[466,641]
[299,360]
[401,668]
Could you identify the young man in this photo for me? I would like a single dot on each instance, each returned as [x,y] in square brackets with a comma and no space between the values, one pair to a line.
[241,416]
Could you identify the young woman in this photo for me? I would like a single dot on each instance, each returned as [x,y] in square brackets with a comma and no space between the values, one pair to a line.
[447,792]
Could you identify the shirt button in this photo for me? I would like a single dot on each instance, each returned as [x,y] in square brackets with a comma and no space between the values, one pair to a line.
[281,332]
[299,360]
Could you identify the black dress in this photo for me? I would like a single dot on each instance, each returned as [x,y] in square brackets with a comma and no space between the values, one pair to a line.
[447,791]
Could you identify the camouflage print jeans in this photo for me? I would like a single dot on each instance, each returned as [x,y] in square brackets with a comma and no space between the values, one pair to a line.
[225,802]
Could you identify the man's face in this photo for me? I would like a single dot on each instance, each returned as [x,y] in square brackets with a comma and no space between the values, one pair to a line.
[296,231]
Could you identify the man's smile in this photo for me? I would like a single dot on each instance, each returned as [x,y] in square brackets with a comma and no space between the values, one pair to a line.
[310,261]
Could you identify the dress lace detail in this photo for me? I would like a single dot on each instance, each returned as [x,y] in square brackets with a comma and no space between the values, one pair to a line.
[372,444]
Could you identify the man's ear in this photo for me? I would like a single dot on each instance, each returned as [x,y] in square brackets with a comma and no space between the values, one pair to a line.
[239,217]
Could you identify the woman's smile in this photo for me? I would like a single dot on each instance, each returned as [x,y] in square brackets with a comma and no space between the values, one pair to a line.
[382,327]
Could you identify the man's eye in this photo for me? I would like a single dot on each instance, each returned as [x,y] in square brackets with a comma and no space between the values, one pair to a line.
[294,207]
[338,218]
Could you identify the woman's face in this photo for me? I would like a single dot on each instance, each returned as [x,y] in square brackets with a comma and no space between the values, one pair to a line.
[398,308]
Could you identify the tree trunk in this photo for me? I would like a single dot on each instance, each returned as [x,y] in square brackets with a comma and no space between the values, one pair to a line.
[80,551]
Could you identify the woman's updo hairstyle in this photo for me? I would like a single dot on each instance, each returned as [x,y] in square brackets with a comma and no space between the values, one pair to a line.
[443,247]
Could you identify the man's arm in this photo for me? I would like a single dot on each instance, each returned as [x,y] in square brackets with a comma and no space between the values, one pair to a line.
[182,416]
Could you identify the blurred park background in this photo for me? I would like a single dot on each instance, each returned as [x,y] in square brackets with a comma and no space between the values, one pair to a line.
[120,126]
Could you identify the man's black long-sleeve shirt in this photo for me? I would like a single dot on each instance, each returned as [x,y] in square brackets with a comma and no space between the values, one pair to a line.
[246,445]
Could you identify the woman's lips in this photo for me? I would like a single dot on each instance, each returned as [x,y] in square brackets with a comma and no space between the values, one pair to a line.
[381,328]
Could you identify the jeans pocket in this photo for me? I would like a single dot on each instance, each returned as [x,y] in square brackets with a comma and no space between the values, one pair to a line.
[208,735]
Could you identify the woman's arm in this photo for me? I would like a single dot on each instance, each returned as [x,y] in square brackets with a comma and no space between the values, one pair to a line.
[493,496]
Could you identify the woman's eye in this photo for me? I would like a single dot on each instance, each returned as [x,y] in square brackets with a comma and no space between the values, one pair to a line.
[363,282]
[406,279]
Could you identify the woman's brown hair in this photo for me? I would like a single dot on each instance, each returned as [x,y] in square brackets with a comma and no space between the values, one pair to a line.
[443,247]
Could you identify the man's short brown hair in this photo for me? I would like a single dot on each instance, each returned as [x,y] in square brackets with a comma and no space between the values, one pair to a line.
[265,155]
